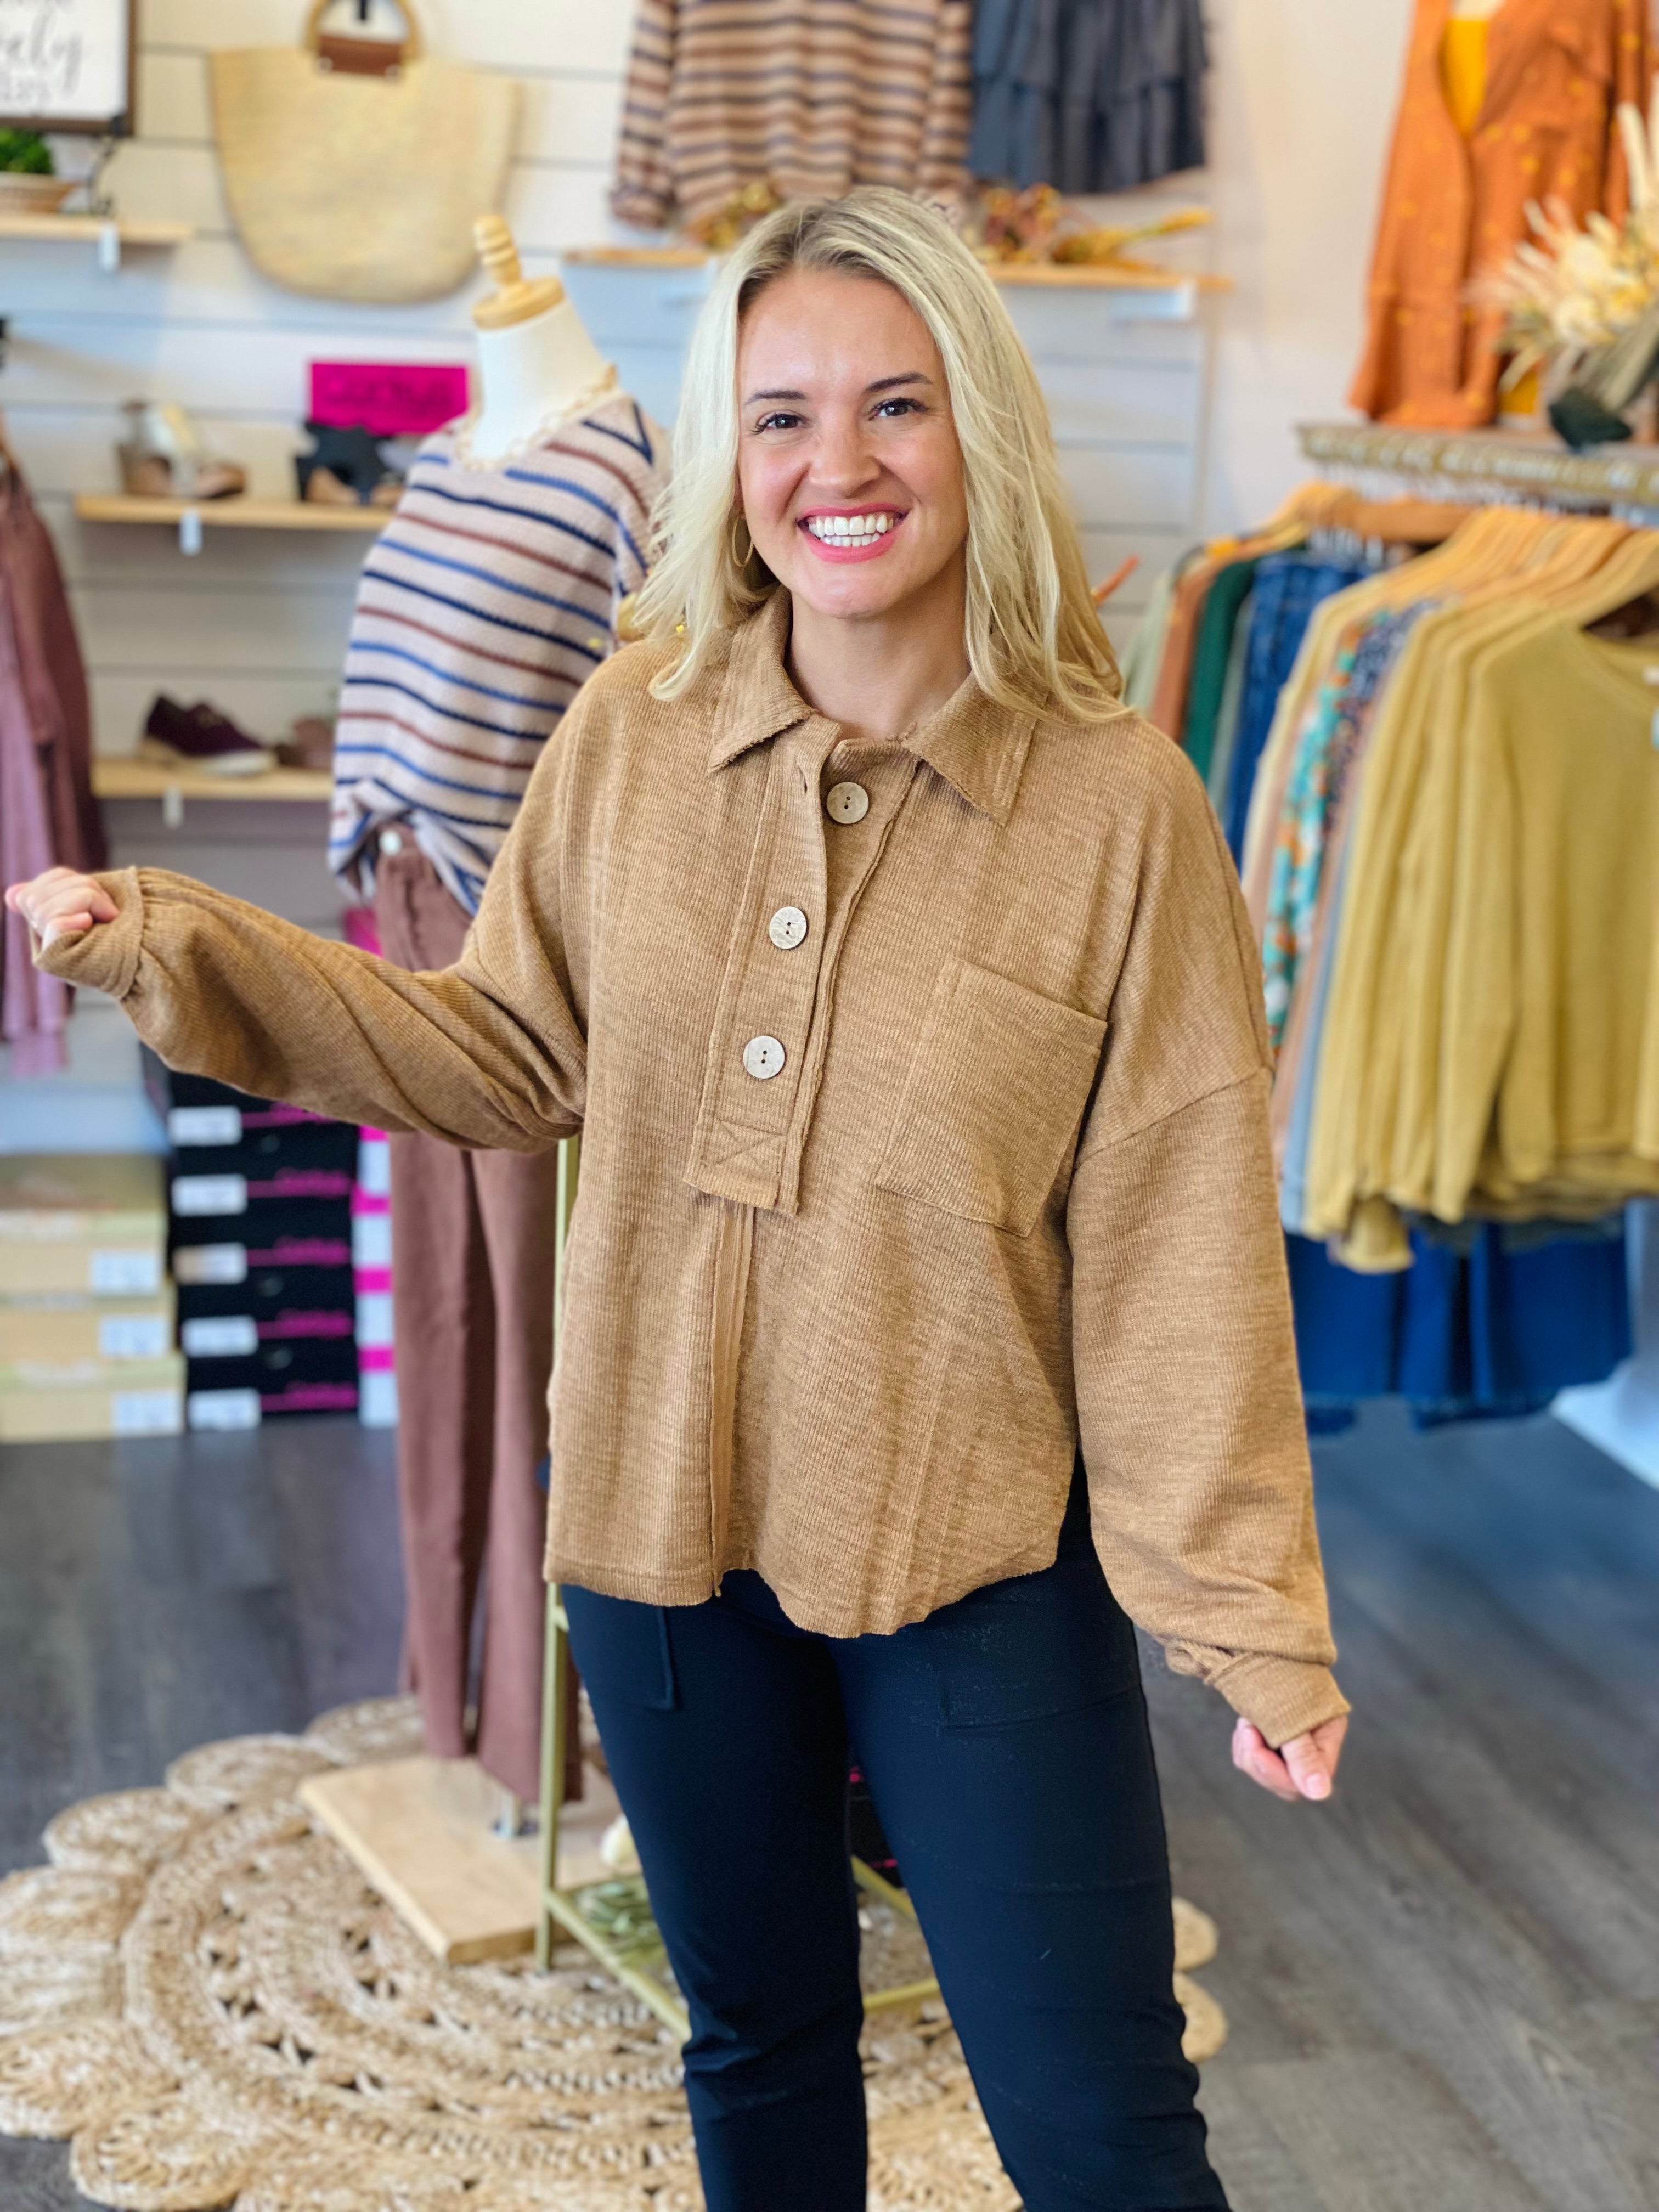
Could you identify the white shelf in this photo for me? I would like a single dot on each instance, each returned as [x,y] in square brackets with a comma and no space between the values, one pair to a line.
[1165,294]
[108,235]
[116,777]
[190,518]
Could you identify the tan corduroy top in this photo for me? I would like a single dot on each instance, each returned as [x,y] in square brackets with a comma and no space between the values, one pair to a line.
[917,1146]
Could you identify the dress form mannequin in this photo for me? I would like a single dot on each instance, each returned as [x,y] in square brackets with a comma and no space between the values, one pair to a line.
[536,363]
[490,597]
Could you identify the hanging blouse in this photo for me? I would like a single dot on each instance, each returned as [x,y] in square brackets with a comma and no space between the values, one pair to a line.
[1088,95]
[810,97]
[1454,207]
[48,815]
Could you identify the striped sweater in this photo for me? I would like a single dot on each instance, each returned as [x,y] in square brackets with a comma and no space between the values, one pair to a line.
[811,96]
[490,597]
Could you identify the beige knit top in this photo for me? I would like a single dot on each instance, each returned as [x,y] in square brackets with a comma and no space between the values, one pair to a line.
[923,1091]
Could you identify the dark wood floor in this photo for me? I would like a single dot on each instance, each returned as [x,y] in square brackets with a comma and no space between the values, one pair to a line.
[1443,1989]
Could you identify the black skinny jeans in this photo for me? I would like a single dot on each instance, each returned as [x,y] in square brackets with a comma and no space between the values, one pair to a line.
[1005,1744]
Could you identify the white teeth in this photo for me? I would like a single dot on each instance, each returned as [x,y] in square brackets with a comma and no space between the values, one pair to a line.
[851,529]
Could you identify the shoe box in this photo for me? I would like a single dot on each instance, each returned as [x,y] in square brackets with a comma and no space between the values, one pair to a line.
[173,1091]
[308,1269]
[145,1398]
[260,1233]
[86,1310]
[66,1329]
[300,1374]
[243,1369]
[371,1253]
[91,1224]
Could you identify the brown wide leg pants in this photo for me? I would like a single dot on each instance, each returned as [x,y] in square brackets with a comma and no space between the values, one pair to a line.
[472,1248]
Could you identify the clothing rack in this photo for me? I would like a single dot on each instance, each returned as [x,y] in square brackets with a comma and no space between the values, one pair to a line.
[1466,1297]
[1489,467]
[1621,1416]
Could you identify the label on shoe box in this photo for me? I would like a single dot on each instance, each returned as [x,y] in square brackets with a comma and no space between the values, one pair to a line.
[374,1318]
[144,1412]
[124,1273]
[371,1240]
[220,1336]
[377,1400]
[196,1195]
[210,1263]
[204,1125]
[223,1409]
[134,1336]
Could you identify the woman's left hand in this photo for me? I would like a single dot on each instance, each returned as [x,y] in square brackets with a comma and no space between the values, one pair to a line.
[1305,1767]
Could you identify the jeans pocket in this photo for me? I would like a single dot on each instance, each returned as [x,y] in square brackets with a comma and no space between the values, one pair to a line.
[1031,1648]
[623,1651]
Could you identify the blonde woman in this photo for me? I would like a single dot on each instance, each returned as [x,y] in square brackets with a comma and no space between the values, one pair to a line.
[900,986]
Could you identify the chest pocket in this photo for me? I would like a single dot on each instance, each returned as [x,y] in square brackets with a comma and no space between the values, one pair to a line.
[992,1101]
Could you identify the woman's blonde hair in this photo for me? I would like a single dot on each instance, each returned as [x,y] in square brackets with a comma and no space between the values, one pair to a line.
[1034,638]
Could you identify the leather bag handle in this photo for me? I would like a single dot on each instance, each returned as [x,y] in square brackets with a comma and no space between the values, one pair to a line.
[358,55]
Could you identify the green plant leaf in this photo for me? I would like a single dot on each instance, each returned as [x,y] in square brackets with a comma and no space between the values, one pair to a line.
[25,153]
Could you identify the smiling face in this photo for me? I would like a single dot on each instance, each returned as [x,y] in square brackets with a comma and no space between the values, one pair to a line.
[849,473]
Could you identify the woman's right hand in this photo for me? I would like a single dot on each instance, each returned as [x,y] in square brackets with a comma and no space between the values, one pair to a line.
[60,903]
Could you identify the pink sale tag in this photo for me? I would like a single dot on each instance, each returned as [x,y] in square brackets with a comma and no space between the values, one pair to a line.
[389,399]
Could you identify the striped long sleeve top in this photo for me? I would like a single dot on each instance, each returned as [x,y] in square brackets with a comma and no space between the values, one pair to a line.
[811,96]
[487,602]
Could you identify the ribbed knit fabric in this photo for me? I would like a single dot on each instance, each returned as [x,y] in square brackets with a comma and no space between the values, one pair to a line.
[490,599]
[811,96]
[907,1164]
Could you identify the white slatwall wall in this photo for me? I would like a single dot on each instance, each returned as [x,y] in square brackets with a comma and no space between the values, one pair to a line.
[259,623]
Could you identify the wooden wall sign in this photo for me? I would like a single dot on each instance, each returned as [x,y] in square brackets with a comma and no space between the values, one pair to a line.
[67,65]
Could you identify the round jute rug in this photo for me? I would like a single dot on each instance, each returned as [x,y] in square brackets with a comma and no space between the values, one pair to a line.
[203,1992]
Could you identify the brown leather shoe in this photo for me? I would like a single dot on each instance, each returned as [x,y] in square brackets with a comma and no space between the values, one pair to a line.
[308,745]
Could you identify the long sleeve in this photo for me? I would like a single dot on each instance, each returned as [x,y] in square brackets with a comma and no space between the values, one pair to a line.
[942,163]
[489,1053]
[643,192]
[1188,1404]
[1189,1409]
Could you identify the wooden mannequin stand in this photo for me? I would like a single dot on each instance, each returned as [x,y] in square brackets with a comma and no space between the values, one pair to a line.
[438,1838]
[442,1842]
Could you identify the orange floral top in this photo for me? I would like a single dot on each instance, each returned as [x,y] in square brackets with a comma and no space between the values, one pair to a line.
[1454,207]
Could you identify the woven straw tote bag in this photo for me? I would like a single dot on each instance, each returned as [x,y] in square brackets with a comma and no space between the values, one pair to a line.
[356,167]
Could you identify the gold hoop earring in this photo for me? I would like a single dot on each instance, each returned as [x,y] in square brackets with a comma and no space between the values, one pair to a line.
[740,522]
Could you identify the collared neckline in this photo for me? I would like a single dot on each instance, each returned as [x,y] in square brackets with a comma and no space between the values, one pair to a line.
[977,746]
